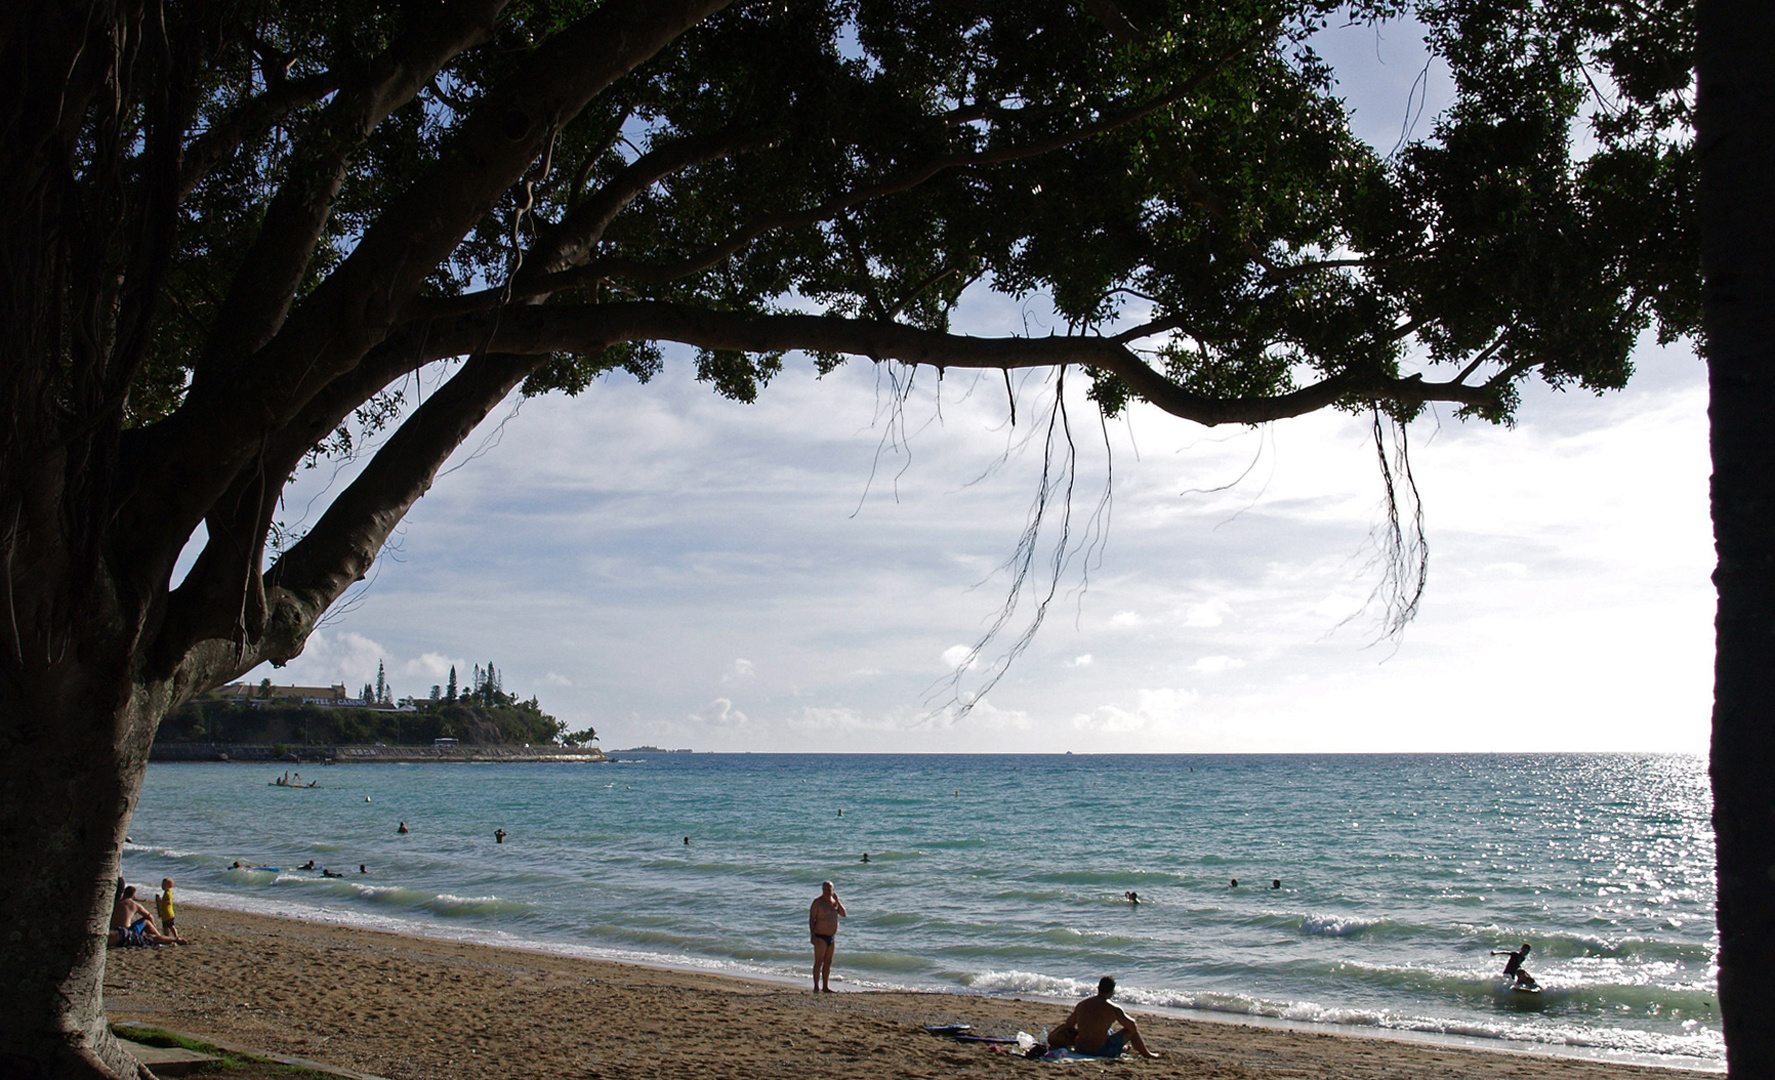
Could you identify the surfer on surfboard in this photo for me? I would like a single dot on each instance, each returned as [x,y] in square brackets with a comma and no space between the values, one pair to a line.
[1513,968]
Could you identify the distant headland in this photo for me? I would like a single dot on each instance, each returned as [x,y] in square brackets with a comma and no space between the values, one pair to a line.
[337,754]
[267,723]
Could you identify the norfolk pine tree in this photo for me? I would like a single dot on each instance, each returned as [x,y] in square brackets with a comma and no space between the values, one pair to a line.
[231,233]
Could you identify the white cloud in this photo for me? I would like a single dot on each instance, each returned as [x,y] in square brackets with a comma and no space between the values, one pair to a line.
[1084,660]
[987,716]
[739,671]
[348,657]
[1160,711]
[720,713]
[1214,665]
[429,665]
[1125,618]
[959,658]
[837,718]
[1336,607]
[552,679]
[1211,613]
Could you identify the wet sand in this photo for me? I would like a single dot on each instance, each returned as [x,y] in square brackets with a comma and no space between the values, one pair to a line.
[408,1008]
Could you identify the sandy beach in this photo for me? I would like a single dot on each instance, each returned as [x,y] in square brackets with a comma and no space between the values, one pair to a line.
[408,1008]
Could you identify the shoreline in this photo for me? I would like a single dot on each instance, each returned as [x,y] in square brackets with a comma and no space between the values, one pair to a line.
[400,1004]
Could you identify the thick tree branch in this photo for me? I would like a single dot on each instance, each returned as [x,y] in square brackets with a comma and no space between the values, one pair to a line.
[223,138]
[569,242]
[562,328]
[490,151]
[225,578]
[338,551]
[222,598]
[199,450]
[169,113]
[272,272]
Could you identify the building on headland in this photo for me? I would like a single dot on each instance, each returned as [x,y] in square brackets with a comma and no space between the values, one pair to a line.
[288,695]
[257,695]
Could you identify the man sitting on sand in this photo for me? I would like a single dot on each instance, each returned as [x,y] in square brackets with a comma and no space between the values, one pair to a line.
[1087,1029]
[131,924]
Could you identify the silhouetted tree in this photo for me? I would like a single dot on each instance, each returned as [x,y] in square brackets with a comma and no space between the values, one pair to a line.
[1736,130]
[232,234]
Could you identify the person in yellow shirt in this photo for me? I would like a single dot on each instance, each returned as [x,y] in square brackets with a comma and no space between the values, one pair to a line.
[165,903]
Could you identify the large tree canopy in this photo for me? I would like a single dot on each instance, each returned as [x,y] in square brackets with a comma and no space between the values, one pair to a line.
[230,232]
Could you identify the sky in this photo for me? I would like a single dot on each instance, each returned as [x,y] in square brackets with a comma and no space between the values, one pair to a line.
[809,572]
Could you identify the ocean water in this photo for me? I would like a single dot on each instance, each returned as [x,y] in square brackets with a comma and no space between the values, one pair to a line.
[1005,875]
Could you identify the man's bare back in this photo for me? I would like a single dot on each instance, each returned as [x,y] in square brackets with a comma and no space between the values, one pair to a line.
[127,913]
[1087,1028]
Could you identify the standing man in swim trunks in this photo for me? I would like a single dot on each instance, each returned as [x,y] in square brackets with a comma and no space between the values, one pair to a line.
[822,929]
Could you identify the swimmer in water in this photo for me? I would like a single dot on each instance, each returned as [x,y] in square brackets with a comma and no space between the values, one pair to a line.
[1131,896]
[1513,968]
[403,828]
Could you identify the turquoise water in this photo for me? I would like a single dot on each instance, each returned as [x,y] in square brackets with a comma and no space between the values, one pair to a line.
[1005,874]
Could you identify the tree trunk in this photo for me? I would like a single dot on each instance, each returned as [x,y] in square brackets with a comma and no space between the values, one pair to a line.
[69,776]
[1736,129]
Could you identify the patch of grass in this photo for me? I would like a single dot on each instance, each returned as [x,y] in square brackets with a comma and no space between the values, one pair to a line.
[153,1036]
[229,1064]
